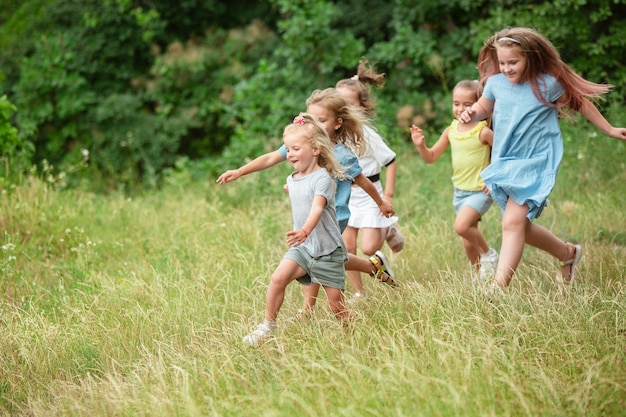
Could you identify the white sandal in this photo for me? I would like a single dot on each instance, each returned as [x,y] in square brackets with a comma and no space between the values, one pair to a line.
[574,253]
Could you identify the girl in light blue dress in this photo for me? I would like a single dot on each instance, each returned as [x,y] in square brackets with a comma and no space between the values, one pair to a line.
[527,87]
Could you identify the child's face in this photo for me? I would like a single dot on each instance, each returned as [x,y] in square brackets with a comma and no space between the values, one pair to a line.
[326,118]
[512,63]
[462,98]
[300,153]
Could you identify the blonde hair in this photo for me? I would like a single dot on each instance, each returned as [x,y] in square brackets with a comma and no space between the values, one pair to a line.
[313,131]
[360,84]
[541,58]
[350,134]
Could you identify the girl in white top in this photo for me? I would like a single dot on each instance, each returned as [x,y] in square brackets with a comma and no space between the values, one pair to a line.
[364,215]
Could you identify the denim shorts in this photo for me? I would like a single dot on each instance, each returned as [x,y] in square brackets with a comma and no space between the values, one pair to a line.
[326,270]
[477,200]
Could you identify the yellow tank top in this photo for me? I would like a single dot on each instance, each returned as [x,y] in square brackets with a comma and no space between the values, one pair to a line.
[469,156]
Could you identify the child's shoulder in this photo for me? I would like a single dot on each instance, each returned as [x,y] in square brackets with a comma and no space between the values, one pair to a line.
[341,151]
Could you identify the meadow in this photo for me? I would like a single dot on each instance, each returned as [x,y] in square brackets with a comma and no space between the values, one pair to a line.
[118,305]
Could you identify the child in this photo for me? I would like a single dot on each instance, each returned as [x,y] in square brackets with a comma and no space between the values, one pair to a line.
[317,249]
[364,214]
[471,146]
[527,87]
[344,126]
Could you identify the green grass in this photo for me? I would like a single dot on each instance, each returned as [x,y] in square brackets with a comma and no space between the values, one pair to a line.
[117,306]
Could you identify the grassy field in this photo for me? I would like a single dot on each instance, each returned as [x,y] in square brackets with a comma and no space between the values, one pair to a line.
[118,306]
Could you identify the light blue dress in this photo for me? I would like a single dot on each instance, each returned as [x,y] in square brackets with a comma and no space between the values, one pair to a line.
[527,143]
[352,169]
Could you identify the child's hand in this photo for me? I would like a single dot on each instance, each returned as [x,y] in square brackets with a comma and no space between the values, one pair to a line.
[417,136]
[296,237]
[618,133]
[485,189]
[228,176]
[466,116]
[386,208]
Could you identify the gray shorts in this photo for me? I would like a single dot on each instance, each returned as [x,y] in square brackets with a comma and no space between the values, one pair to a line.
[477,200]
[326,270]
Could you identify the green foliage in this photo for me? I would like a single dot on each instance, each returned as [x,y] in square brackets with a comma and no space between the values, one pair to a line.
[196,81]
[136,146]
[224,77]
[307,58]
[9,141]
[14,151]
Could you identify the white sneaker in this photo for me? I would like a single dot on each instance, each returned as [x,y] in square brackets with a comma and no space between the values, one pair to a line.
[262,332]
[356,298]
[488,264]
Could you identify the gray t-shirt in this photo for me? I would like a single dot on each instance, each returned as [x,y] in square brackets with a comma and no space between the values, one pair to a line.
[325,238]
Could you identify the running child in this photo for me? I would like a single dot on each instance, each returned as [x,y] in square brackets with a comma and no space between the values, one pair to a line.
[471,147]
[317,251]
[365,215]
[344,126]
[527,87]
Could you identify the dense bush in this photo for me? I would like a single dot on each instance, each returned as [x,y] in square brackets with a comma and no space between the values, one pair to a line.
[215,82]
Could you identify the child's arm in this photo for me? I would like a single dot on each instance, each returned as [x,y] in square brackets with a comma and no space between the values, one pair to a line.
[390,181]
[486,136]
[591,113]
[480,110]
[297,237]
[262,162]
[385,207]
[429,155]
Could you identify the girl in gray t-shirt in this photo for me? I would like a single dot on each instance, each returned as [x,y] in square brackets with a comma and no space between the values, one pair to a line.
[317,253]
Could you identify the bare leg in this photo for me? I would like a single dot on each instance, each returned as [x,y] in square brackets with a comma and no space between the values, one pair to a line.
[356,263]
[542,238]
[336,303]
[466,226]
[310,296]
[350,239]
[287,271]
[514,226]
[372,239]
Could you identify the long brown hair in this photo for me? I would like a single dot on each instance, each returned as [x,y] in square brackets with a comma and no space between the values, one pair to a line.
[541,58]
[365,76]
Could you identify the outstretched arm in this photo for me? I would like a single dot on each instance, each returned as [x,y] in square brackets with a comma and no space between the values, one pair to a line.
[262,162]
[591,113]
[385,207]
[429,155]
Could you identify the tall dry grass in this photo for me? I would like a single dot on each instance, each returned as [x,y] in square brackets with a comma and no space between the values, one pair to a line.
[117,306]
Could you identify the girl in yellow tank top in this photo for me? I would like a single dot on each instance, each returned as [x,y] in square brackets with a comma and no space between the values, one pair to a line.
[471,148]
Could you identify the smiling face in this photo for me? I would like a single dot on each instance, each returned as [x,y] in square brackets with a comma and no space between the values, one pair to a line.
[300,153]
[512,63]
[462,98]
